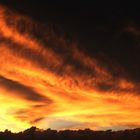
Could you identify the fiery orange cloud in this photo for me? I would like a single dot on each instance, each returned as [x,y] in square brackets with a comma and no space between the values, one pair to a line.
[49,82]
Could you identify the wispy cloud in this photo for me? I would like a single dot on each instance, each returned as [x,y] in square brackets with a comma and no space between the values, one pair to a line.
[44,76]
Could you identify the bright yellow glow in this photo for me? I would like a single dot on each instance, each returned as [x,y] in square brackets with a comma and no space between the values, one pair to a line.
[39,87]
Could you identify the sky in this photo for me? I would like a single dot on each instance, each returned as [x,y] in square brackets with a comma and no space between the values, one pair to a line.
[69,65]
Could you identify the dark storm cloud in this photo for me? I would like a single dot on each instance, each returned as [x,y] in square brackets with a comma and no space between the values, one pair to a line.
[20,90]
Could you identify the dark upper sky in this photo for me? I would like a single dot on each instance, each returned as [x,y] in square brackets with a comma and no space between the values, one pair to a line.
[103,28]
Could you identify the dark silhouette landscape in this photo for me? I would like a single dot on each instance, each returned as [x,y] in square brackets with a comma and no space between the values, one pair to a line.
[34,133]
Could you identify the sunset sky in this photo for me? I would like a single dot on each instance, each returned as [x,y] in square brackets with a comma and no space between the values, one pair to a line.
[69,66]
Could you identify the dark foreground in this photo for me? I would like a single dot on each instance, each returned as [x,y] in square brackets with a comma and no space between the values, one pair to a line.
[34,134]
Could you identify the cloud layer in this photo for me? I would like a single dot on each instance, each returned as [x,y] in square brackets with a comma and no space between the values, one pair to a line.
[46,80]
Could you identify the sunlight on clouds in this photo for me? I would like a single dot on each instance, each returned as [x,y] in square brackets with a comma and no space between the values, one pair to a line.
[43,87]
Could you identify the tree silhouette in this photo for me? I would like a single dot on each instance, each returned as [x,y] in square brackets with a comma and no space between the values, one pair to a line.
[34,133]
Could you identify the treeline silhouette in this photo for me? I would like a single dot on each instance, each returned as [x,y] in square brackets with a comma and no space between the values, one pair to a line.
[35,134]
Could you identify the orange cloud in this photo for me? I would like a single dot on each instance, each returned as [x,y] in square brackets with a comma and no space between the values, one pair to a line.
[41,86]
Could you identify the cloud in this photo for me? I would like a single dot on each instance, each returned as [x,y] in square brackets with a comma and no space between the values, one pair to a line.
[49,81]
[21,91]
[133,30]
[59,124]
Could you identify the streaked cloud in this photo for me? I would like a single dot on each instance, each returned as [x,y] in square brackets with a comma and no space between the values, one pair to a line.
[44,79]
